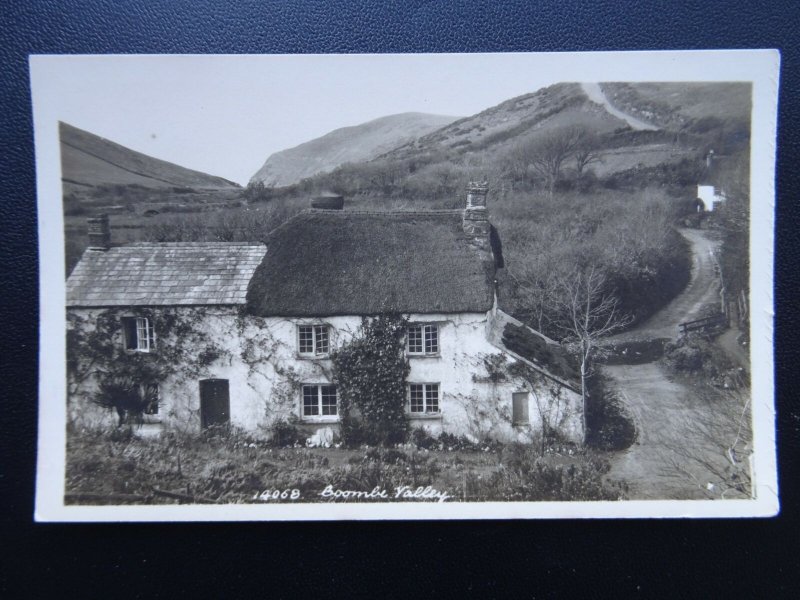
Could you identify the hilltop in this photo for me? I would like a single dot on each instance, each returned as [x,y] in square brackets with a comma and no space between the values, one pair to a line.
[90,160]
[640,133]
[346,145]
[99,175]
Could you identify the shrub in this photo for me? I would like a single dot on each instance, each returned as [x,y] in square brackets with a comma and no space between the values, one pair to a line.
[609,425]
[528,477]
[694,353]
[284,434]
[370,372]
[124,395]
[423,440]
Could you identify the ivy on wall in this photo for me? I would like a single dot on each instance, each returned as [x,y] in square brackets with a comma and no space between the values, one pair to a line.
[370,373]
[262,351]
[96,352]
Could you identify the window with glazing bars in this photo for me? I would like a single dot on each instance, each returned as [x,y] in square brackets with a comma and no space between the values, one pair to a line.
[423,398]
[423,339]
[319,400]
[139,334]
[313,340]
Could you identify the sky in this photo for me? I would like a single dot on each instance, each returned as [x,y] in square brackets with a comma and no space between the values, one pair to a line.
[225,115]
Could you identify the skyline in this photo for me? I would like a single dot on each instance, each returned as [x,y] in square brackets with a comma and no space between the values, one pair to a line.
[225,117]
[226,114]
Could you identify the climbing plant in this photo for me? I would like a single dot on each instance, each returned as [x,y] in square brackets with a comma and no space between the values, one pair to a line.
[370,372]
[96,353]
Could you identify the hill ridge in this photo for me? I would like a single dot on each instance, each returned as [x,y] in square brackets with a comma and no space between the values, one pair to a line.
[115,155]
[349,144]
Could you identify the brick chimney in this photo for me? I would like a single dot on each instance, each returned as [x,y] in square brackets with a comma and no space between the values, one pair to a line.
[99,233]
[476,216]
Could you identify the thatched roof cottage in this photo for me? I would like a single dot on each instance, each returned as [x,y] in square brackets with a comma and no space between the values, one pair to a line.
[241,333]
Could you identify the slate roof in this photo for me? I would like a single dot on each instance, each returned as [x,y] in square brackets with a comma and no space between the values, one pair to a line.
[533,348]
[333,262]
[164,274]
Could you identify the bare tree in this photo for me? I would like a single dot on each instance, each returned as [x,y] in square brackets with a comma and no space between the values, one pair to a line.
[716,450]
[587,314]
[539,286]
[547,153]
[586,149]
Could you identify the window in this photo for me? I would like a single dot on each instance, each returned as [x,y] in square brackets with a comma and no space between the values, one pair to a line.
[139,334]
[423,398]
[151,398]
[313,340]
[519,408]
[319,401]
[423,339]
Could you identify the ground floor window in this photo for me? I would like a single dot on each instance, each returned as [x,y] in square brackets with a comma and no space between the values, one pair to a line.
[519,408]
[319,400]
[423,398]
[151,399]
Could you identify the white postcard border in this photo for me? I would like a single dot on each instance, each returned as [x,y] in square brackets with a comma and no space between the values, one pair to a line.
[761,67]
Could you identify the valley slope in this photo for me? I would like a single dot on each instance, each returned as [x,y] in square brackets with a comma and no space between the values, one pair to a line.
[346,145]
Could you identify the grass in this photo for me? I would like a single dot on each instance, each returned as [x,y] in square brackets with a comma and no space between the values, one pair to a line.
[233,468]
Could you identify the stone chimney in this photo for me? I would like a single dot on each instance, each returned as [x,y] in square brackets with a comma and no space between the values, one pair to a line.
[476,216]
[99,233]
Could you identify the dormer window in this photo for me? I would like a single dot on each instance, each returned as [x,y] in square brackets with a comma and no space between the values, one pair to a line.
[139,334]
[313,340]
[423,339]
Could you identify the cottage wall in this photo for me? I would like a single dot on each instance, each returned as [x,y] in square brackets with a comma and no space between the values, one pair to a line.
[259,358]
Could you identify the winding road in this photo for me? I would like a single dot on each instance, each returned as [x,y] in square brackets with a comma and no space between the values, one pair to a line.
[674,456]
[702,290]
[596,95]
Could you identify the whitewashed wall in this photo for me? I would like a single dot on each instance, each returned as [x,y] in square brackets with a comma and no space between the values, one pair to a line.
[264,370]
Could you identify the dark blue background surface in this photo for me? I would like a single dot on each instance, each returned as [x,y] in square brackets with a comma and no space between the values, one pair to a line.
[415,559]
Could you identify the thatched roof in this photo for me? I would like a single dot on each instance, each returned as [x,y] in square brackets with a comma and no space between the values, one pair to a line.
[164,274]
[362,263]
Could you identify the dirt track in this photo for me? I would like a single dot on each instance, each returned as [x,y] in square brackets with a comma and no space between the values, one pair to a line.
[669,414]
[595,94]
[702,290]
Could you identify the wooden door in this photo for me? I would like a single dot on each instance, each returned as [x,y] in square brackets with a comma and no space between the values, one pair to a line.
[519,406]
[215,402]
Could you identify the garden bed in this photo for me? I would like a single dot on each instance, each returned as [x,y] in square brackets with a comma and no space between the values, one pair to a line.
[224,469]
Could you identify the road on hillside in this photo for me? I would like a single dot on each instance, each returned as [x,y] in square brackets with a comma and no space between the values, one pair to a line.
[595,93]
[702,290]
[672,457]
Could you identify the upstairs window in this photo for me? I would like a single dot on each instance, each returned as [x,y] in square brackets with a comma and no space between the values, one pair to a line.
[313,340]
[422,339]
[319,401]
[423,398]
[139,334]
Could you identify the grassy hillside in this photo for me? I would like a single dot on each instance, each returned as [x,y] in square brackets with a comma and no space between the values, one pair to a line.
[101,176]
[89,160]
[492,144]
[348,144]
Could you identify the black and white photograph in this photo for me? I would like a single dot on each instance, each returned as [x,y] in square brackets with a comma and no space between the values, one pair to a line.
[432,286]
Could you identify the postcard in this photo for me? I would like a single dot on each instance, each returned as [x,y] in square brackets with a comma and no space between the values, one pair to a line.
[406,286]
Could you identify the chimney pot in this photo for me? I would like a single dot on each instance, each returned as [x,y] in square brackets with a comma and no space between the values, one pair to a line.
[99,233]
[476,194]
